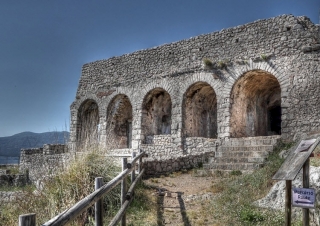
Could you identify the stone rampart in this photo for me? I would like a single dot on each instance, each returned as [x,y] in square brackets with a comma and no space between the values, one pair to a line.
[187,97]
[39,163]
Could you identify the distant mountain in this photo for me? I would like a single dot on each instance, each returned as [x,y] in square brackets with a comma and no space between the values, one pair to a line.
[11,146]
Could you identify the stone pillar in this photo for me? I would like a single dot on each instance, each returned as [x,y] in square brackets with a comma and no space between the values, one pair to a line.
[129,133]
[136,129]
[72,144]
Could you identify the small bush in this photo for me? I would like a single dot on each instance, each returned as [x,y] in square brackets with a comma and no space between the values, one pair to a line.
[248,214]
[207,62]
[221,64]
[264,57]
[235,173]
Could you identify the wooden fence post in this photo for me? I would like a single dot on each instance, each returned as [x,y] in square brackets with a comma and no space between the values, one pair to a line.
[27,219]
[98,206]
[288,203]
[305,184]
[133,173]
[124,190]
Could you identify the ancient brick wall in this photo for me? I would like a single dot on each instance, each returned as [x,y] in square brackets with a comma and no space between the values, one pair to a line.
[170,91]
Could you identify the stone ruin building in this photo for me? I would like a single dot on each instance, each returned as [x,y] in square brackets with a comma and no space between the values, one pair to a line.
[223,98]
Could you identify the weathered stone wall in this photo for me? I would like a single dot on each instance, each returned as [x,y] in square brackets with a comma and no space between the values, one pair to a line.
[43,162]
[10,196]
[155,167]
[164,156]
[284,49]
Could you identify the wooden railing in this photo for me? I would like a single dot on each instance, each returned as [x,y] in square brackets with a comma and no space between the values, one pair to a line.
[96,198]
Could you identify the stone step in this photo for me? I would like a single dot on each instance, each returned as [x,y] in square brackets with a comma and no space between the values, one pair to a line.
[240,160]
[254,148]
[233,166]
[245,141]
[245,154]
[248,154]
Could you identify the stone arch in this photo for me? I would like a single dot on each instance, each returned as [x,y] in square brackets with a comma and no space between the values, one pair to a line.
[79,102]
[155,84]
[233,74]
[255,105]
[200,77]
[87,123]
[118,91]
[199,111]
[119,122]
[156,113]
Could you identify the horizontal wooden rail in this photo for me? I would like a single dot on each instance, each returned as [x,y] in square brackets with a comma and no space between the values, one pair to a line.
[133,185]
[71,213]
[126,204]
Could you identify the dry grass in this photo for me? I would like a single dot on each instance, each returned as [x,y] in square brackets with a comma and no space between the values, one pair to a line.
[64,190]
[232,203]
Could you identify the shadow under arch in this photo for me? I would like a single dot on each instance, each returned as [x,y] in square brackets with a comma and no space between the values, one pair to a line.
[255,105]
[119,122]
[87,124]
[199,111]
[156,113]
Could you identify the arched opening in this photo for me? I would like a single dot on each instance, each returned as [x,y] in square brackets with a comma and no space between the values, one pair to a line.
[156,113]
[200,111]
[255,105]
[87,123]
[119,123]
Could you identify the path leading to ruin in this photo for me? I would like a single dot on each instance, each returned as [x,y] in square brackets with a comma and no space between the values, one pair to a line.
[183,199]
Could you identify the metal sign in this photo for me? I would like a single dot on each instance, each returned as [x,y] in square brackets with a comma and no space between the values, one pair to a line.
[303,197]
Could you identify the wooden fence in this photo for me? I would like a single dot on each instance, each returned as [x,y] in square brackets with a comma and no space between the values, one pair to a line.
[96,198]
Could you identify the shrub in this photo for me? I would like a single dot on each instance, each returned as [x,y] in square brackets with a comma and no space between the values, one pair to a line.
[235,173]
[264,57]
[248,214]
[207,62]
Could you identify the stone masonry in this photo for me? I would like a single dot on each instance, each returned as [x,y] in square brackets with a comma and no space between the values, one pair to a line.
[180,102]
[39,163]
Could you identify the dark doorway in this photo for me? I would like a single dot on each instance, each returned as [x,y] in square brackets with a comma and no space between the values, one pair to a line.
[255,105]
[274,115]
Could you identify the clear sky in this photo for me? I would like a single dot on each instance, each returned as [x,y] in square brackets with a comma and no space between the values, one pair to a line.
[43,44]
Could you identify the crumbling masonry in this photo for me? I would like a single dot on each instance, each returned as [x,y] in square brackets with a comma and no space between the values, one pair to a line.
[182,101]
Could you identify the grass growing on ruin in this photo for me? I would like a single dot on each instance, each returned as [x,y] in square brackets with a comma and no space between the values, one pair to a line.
[64,190]
[207,62]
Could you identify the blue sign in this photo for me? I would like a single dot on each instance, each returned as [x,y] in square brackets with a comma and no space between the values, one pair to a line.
[303,197]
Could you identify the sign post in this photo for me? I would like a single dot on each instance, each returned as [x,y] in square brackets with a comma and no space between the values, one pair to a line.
[298,159]
[305,184]
[288,203]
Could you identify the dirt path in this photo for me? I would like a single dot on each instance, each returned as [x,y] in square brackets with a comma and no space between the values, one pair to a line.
[183,199]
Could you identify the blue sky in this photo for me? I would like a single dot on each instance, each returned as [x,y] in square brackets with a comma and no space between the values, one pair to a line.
[43,44]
